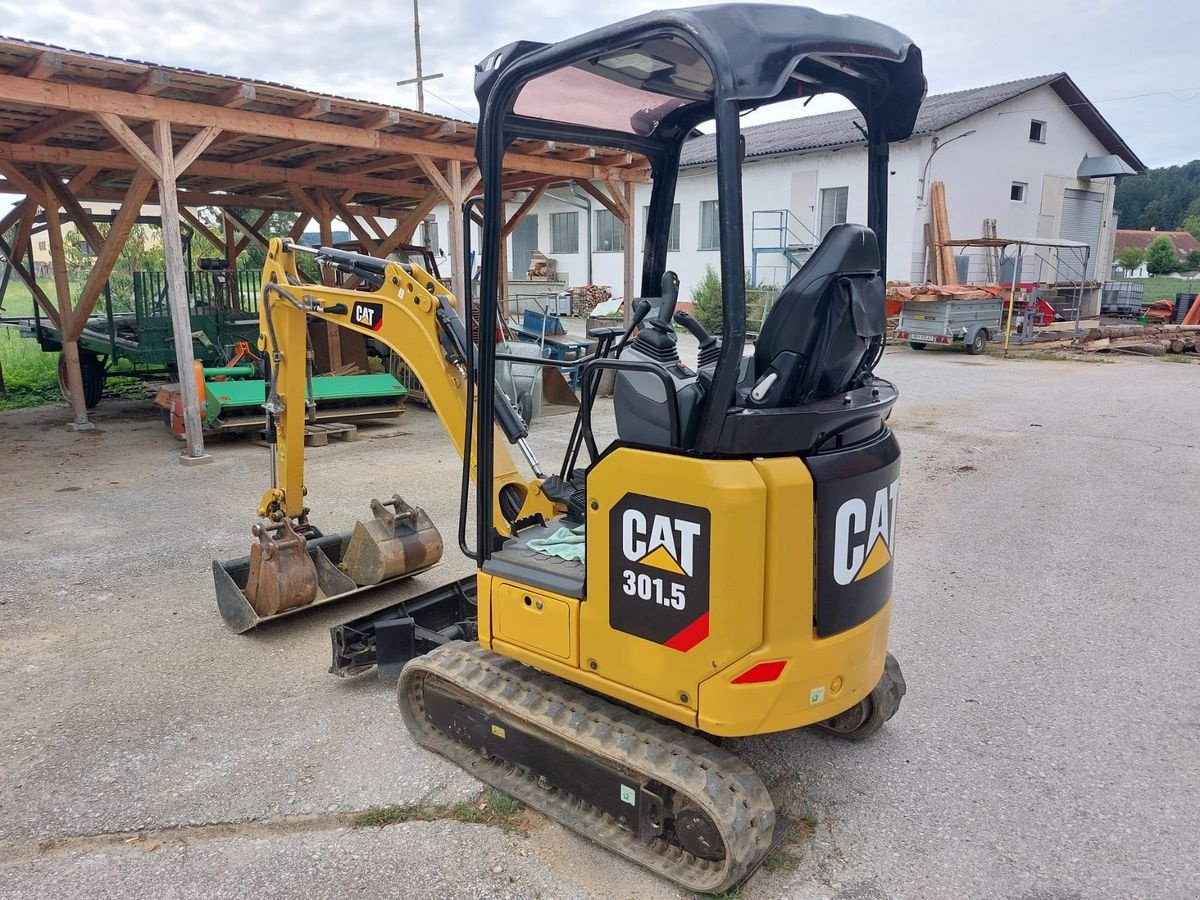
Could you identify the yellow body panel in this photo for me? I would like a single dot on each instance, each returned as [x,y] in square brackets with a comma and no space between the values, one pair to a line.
[536,620]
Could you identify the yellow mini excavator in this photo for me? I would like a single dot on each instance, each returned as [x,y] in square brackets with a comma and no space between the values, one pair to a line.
[737,535]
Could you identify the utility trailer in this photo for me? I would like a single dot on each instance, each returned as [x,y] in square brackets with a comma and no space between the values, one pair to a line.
[940,321]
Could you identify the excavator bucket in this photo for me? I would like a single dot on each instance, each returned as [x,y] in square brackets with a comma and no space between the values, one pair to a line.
[392,544]
[556,389]
[287,573]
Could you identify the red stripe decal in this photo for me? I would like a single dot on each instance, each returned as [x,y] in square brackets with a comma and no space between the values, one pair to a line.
[689,637]
[765,671]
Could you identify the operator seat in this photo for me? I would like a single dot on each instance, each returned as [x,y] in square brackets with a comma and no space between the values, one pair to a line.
[824,328]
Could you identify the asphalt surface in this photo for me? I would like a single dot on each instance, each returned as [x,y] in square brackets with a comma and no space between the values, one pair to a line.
[1045,618]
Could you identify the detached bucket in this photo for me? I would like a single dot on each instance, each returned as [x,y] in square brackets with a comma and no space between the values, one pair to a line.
[289,574]
[393,544]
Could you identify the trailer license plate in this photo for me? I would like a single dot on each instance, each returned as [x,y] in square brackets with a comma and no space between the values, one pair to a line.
[922,338]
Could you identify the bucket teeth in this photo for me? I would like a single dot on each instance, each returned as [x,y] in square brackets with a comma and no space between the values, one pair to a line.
[394,542]
[282,575]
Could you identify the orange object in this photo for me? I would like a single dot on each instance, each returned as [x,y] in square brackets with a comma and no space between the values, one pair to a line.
[1193,315]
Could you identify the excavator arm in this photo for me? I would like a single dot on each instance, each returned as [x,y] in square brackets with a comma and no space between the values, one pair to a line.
[292,564]
[412,314]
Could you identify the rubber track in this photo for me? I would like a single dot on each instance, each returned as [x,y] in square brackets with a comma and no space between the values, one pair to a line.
[713,780]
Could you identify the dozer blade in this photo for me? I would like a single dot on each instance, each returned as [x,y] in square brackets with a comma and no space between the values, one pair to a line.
[285,586]
[392,544]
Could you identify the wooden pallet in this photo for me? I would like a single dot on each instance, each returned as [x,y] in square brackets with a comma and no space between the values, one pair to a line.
[318,435]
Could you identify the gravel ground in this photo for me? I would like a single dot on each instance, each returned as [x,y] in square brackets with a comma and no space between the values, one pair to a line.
[1049,745]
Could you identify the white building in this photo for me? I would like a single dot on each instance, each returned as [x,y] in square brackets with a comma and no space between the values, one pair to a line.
[1034,155]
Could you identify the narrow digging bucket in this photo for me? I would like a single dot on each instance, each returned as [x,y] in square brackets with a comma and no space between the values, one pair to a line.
[393,544]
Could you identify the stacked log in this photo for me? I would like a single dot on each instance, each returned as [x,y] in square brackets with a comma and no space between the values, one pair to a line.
[1151,340]
[586,297]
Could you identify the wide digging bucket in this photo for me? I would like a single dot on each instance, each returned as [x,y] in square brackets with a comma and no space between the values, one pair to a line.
[395,543]
[293,574]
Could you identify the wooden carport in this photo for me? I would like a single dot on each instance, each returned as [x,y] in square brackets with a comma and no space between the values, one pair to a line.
[77,127]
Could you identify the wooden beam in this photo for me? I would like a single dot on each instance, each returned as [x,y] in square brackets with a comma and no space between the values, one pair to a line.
[355,227]
[602,197]
[27,277]
[616,192]
[374,225]
[193,148]
[530,202]
[124,135]
[376,121]
[304,202]
[436,178]
[471,182]
[236,97]
[275,175]
[78,215]
[406,226]
[310,109]
[106,256]
[19,181]
[332,156]
[440,130]
[630,254]
[97,100]
[46,64]
[250,231]
[70,334]
[24,228]
[39,131]
[154,81]
[266,152]
[299,226]
[209,235]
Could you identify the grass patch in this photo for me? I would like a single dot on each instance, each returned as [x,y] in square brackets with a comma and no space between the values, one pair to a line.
[1179,358]
[492,808]
[1161,287]
[779,859]
[18,301]
[30,376]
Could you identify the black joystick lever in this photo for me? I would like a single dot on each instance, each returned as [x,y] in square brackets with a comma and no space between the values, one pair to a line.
[692,324]
[661,319]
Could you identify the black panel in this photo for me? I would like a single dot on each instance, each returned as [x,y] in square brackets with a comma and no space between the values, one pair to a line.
[856,492]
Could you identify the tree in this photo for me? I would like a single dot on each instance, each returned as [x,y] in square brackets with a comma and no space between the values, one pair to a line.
[1192,225]
[1161,256]
[1191,262]
[1130,258]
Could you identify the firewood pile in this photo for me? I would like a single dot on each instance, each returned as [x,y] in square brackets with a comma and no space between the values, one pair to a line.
[1149,340]
[586,297]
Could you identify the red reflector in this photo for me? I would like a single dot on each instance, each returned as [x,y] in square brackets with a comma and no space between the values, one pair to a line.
[767,671]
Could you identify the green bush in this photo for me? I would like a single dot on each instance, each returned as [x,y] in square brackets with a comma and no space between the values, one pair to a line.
[706,301]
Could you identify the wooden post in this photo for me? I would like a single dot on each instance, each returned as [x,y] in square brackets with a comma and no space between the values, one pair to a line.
[62,290]
[458,265]
[333,336]
[630,249]
[177,298]
[230,235]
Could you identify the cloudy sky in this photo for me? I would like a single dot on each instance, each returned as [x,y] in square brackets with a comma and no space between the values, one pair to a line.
[1138,67]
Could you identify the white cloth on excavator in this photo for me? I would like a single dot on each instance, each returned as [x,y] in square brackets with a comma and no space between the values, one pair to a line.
[566,543]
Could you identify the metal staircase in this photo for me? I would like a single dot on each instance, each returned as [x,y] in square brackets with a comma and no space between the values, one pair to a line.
[778,233]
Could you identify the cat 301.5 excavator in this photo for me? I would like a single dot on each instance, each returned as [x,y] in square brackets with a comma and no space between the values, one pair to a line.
[739,531]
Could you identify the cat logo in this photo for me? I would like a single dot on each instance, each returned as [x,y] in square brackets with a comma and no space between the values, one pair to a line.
[658,571]
[368,315]
[664,543]
[863,541]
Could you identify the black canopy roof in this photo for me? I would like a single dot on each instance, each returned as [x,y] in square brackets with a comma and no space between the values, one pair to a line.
[653,75]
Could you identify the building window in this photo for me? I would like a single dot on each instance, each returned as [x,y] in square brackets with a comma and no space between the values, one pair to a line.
[564,232]
[710,231]
[1017,192]
[834,203]
[673,235]
[610,233]
[429,234]
[41,245]
[1037,131]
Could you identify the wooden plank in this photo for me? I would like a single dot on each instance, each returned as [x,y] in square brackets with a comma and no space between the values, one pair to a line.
[275,149]
[124,135]
[471,182]
[383,119]
[304,202]
[154,81]
[355,227]
[299,226]
[310,109]
[250,231]
[97,100]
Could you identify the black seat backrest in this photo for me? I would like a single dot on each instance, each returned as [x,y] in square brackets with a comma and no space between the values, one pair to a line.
[824,324]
